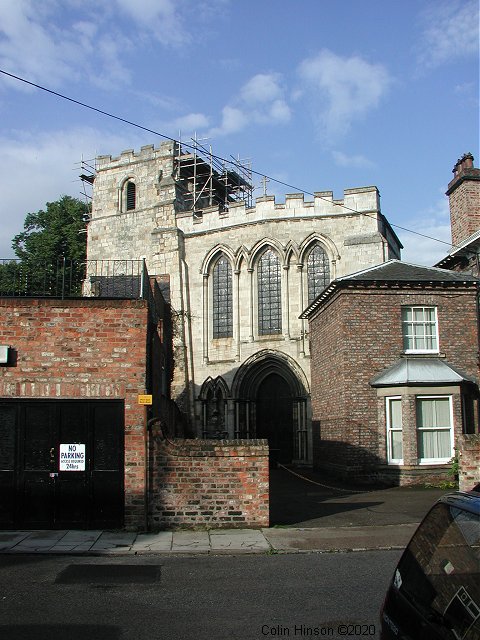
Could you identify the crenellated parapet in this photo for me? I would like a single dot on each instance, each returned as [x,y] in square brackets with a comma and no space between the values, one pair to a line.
[358,201]
[129,156]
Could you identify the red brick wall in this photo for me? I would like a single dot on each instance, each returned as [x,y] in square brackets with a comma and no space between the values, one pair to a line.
[468,452]
[209,483]
[465,205]
[358,334]
[86,348]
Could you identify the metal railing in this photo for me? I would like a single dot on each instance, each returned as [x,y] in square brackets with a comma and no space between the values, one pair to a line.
[73,279]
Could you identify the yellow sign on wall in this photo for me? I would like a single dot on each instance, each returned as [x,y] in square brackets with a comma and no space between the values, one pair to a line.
[145,399]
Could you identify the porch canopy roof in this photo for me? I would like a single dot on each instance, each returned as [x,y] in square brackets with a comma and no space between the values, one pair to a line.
[420,371]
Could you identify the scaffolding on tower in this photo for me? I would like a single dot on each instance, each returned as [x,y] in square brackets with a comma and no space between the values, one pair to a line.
[87,175]
[207,181]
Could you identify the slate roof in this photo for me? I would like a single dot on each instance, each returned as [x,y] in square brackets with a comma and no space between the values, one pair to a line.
[422,371]
[398,271]
[394,272]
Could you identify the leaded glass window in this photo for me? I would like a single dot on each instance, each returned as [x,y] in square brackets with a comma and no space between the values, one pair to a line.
[269,294]
[318,272]
[222,299]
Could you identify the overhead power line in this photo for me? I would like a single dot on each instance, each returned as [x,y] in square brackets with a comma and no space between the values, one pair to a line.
[216,157]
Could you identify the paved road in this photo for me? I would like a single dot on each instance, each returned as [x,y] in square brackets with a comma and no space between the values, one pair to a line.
[245,597]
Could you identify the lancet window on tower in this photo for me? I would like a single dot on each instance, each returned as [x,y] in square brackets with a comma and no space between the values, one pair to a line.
[269,294]
[131,195]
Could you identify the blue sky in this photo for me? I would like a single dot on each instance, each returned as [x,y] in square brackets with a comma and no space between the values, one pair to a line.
[321,95]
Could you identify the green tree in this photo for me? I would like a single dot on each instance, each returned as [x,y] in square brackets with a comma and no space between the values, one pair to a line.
[51,251]
[54,233]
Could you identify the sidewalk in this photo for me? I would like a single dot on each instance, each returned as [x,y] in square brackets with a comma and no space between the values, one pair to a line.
[306,514]
[216,541]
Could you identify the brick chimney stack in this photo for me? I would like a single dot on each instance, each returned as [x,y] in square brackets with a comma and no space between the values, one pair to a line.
[464,196]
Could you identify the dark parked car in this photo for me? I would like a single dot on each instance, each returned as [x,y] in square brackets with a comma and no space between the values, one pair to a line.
[435,590]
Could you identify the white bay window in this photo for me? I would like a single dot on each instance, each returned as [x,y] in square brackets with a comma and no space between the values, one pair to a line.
[434,429]
[394,430]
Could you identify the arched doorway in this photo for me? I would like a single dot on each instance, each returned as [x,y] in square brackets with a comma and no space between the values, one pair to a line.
[270,401]
[274,416]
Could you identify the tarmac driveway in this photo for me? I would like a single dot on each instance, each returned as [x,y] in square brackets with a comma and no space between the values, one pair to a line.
[316,500]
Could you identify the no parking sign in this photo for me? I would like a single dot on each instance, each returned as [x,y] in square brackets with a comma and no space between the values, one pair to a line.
[72,457]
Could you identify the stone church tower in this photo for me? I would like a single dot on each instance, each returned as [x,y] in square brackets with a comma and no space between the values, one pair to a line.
[240,274]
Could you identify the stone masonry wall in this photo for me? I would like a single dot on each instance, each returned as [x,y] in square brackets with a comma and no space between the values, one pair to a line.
[468,451]
[351,243]
[175,242]
[208,483]
[76,349]
[147,232]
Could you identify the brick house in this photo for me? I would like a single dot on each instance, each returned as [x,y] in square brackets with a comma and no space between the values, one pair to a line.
[464,197]
[394,371]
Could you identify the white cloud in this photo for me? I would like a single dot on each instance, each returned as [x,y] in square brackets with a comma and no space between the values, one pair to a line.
[450,31]
[261,100]
[261,88]
[279,112]
[54,41]
[341,90]
[112,72]
[432,240]
[46,43]
[31,44]
[191,122]
[42,168]
[353,161]
[233,121]
[162,101]
[161,18]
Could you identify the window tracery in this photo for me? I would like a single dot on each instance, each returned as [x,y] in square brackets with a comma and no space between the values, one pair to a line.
[222,299]
[318,272]
[269,294]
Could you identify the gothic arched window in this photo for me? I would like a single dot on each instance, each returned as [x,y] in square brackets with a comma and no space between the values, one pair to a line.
[318,272]
[269,294]
[214,415]
[222,299]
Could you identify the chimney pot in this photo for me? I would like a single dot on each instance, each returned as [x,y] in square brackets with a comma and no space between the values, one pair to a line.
[467,161]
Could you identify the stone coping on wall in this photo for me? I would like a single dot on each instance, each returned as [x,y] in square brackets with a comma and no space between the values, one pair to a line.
[219,448]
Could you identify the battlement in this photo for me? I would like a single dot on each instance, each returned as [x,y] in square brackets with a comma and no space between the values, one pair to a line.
[146,153]
[360,200]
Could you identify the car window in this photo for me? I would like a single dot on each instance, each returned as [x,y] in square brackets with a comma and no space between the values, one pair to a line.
[440,571]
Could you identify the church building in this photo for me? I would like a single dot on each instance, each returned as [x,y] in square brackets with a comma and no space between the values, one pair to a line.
[238,275]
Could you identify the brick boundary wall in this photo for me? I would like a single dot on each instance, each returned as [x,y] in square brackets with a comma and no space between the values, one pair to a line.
[208,483]
[468,448]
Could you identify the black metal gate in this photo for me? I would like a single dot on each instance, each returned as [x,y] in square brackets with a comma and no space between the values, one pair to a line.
[61,464]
